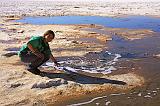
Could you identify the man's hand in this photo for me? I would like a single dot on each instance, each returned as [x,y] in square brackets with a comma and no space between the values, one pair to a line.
[54,60]
[56,63]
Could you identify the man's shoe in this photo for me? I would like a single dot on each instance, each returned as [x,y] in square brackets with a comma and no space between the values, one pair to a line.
[34,70]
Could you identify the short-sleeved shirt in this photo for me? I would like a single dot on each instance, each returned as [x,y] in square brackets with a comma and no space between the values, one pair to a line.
[38,43]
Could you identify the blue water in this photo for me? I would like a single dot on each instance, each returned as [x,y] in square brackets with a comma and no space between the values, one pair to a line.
[133,22]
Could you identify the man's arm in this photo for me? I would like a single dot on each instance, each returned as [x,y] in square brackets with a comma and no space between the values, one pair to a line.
[35,51]
[53,59]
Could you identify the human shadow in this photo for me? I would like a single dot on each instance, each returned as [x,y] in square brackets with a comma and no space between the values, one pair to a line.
[81,78]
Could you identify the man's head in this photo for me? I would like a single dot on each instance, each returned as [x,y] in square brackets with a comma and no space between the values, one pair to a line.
[49,35]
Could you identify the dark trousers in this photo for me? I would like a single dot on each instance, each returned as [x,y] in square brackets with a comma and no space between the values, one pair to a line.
[33,61]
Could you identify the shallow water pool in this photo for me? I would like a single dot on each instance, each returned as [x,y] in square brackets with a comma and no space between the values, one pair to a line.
[135,22]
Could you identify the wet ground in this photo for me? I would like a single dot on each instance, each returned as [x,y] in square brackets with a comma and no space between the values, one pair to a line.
[135,55]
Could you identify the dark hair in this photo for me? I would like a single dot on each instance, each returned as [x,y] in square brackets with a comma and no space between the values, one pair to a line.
[49,32]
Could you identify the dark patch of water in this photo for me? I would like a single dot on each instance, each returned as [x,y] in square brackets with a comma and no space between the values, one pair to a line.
[10,54]
[12,49]
[136,48]
[140,48]
[133,55]
[1,24]
[2,29]
[8,41]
